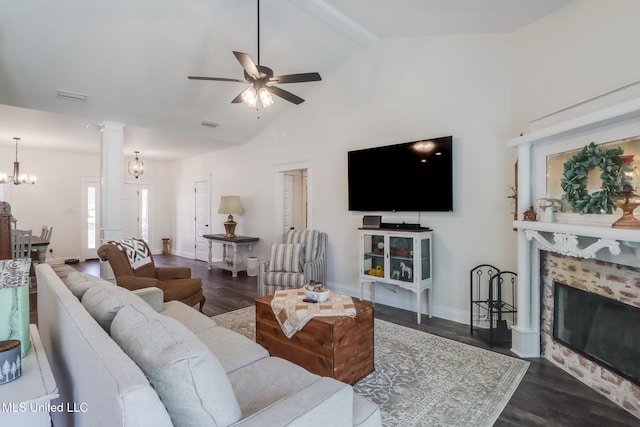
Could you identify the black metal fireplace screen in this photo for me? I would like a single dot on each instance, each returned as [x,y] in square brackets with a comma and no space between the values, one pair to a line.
[603,330]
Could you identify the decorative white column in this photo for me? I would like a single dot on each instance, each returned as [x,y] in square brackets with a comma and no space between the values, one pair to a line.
[525,336]
[111,187]
[5,193]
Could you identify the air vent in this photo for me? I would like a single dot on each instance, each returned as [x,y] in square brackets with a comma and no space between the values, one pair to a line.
[71,96]
[210,123]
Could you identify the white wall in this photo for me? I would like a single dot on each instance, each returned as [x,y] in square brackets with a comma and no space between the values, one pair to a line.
[397,91]
[56,198]
[581,51]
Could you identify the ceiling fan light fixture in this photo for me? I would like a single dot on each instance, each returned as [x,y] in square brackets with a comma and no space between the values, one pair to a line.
[250,97]
[265,97]
[258,76]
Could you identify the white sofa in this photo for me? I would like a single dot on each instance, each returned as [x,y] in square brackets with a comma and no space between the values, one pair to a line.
[188,370]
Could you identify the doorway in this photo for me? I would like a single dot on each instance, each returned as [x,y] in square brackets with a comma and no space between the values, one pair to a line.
[293,198]
[90,217]
[136,200]
[202,218]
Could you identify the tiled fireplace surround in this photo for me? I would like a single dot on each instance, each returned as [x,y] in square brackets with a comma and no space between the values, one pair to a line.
[581,251]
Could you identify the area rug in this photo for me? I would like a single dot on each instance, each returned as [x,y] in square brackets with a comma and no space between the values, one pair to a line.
[424,380]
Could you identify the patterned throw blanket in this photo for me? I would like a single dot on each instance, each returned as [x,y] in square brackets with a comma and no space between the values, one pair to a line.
[136,250]
[292,313]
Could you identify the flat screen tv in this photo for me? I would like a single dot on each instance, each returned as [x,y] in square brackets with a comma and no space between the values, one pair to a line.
[413,176]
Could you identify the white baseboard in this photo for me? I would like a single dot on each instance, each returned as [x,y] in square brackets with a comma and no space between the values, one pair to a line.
[183,254]
[404,300]
[61,260]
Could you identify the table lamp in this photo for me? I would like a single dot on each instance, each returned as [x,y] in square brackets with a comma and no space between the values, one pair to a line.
[230,205]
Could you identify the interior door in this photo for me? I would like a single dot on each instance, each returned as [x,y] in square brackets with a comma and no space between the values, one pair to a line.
[202,219]
[292,196]
[288,197]
[294,200]
[136,200]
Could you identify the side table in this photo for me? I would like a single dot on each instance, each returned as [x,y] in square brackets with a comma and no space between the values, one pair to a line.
[230,261]
[27,400]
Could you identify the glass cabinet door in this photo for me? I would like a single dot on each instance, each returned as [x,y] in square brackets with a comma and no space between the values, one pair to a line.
[373,253]
[425,258]
[401,258]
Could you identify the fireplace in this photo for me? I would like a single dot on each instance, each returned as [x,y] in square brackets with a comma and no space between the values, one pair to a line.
[581,251]
[584,309]
[602,329]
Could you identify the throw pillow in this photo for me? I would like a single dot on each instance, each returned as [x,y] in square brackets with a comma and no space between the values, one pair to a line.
[190,381]
[104,301]
[309,239]
[285,257]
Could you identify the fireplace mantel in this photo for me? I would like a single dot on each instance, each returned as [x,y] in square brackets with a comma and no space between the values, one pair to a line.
[579,240]
[586,236]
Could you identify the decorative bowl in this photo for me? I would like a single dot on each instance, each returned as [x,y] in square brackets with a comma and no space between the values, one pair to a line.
[317,292]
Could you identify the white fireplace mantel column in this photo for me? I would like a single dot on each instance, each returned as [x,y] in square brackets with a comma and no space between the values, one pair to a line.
[525,335]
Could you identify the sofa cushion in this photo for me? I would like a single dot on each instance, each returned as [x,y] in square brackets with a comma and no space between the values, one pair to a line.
[284,280]
[232,349]
[188,316]
[285,257]
[268,381]
[188,378]
[78,283]
[104,301]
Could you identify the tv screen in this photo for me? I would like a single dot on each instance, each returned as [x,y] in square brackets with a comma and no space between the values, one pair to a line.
[413,176]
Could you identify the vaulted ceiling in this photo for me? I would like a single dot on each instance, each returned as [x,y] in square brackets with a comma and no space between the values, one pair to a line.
[132,58]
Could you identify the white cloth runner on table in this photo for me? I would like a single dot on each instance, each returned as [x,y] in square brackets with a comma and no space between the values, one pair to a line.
[292,313]
[136,250]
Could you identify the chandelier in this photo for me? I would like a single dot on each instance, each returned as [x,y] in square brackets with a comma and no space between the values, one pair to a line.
[17,178]
[136,166]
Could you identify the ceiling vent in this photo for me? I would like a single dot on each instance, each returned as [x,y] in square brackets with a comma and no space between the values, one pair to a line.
[71,96]
[210,123]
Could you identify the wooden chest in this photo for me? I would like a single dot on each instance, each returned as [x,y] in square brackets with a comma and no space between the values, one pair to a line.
[340,347]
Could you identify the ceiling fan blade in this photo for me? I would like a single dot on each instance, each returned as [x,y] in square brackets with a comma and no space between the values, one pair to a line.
[296,78]
[238,99]
[219,79]
[285,95]
[247,64]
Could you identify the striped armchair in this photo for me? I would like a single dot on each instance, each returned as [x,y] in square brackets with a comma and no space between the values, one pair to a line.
[301,258]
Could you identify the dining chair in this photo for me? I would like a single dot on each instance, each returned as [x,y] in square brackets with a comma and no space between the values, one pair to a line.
[47,230]
[21,243]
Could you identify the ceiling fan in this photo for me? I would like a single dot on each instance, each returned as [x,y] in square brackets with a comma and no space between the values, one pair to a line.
[262,80]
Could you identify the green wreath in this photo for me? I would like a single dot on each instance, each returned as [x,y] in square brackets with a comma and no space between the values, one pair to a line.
[576,171]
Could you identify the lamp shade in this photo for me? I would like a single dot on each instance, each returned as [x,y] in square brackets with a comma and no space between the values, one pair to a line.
[230,205]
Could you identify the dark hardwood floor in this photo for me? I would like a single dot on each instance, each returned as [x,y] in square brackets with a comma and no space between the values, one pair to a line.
[547,396]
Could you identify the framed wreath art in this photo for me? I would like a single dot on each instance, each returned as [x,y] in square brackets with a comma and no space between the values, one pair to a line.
[576,173]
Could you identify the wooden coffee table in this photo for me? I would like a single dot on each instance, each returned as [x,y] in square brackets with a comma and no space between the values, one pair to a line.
[334,346]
